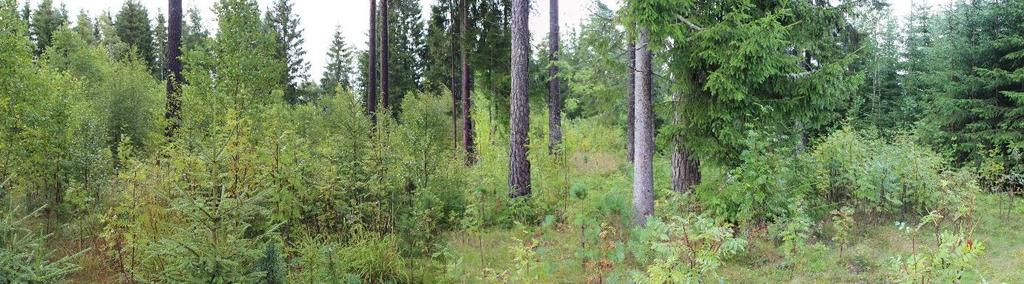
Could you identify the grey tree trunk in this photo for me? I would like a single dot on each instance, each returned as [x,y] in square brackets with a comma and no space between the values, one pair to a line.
[630,91]
[467,120]
[385,76]
[371,97]
[554,87]
[172,65]
[685,167]
[519,165]
[643,175]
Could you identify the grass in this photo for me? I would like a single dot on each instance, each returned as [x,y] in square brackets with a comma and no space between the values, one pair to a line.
[557,253]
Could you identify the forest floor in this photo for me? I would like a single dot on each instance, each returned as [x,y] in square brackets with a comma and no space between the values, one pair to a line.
[556,252]
[486,257]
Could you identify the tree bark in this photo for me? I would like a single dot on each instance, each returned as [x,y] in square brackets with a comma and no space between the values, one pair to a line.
[643,175]
[631,101]
[371,97]
[452,88]
[519,165]
[385,76]
[554,87]
[172,64]
[685,167]
[467,120]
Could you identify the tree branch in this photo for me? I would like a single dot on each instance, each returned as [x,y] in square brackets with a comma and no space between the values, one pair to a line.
[692,26]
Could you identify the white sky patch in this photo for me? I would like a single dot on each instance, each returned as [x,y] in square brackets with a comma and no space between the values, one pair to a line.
[320,17]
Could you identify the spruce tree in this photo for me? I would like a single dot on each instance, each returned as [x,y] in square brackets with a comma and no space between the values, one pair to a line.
[160,45]
[85,28]
[193,31]
[406,51]
[285,24]
[45,21]
[339,65]
[133,28]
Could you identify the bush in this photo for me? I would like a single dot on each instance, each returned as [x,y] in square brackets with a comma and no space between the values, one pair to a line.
[683,250]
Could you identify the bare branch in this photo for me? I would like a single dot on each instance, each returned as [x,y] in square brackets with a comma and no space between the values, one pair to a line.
[692,26]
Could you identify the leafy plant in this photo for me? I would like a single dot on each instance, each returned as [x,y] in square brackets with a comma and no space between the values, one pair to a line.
[683,250]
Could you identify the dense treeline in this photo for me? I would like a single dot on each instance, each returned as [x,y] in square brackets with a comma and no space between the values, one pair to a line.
[662,143]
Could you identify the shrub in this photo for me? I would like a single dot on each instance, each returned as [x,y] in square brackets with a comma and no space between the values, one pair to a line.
[684,250]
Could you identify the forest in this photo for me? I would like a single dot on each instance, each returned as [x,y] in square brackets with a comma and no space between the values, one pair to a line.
[658,141]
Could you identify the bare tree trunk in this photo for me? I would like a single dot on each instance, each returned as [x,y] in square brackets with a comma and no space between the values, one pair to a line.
[554,87]
[519,165]
[451,63]
[685,167]
[385,76]
[467,120]
[371,98]
[643,175]
[630,92]
[172,64]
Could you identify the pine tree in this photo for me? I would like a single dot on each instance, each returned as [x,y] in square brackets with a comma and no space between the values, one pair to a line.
[172,66]
[339,65]
[133,28]
[45,21]
[285,25]
[519,164]
[467,119]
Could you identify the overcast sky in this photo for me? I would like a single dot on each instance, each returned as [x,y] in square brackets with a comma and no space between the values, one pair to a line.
[320,17]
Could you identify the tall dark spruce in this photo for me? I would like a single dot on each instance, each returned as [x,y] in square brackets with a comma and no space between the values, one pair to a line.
[631,99]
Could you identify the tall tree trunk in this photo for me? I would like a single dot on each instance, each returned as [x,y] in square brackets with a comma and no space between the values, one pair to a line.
[467,120]
[519,165]
[554,88]
[173,66]
[371,98]
[451,63]
[643,175]
[385,76]
[631,101]
[685,167]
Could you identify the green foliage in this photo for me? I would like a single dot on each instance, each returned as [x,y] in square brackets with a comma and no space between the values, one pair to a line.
[876,176]
[683,250]
[246,67]
[367,258]
[762,187]
[46,19]
[842,224]
[23,256]
[132,26]
[284,24]
[984,110]
[339,68]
